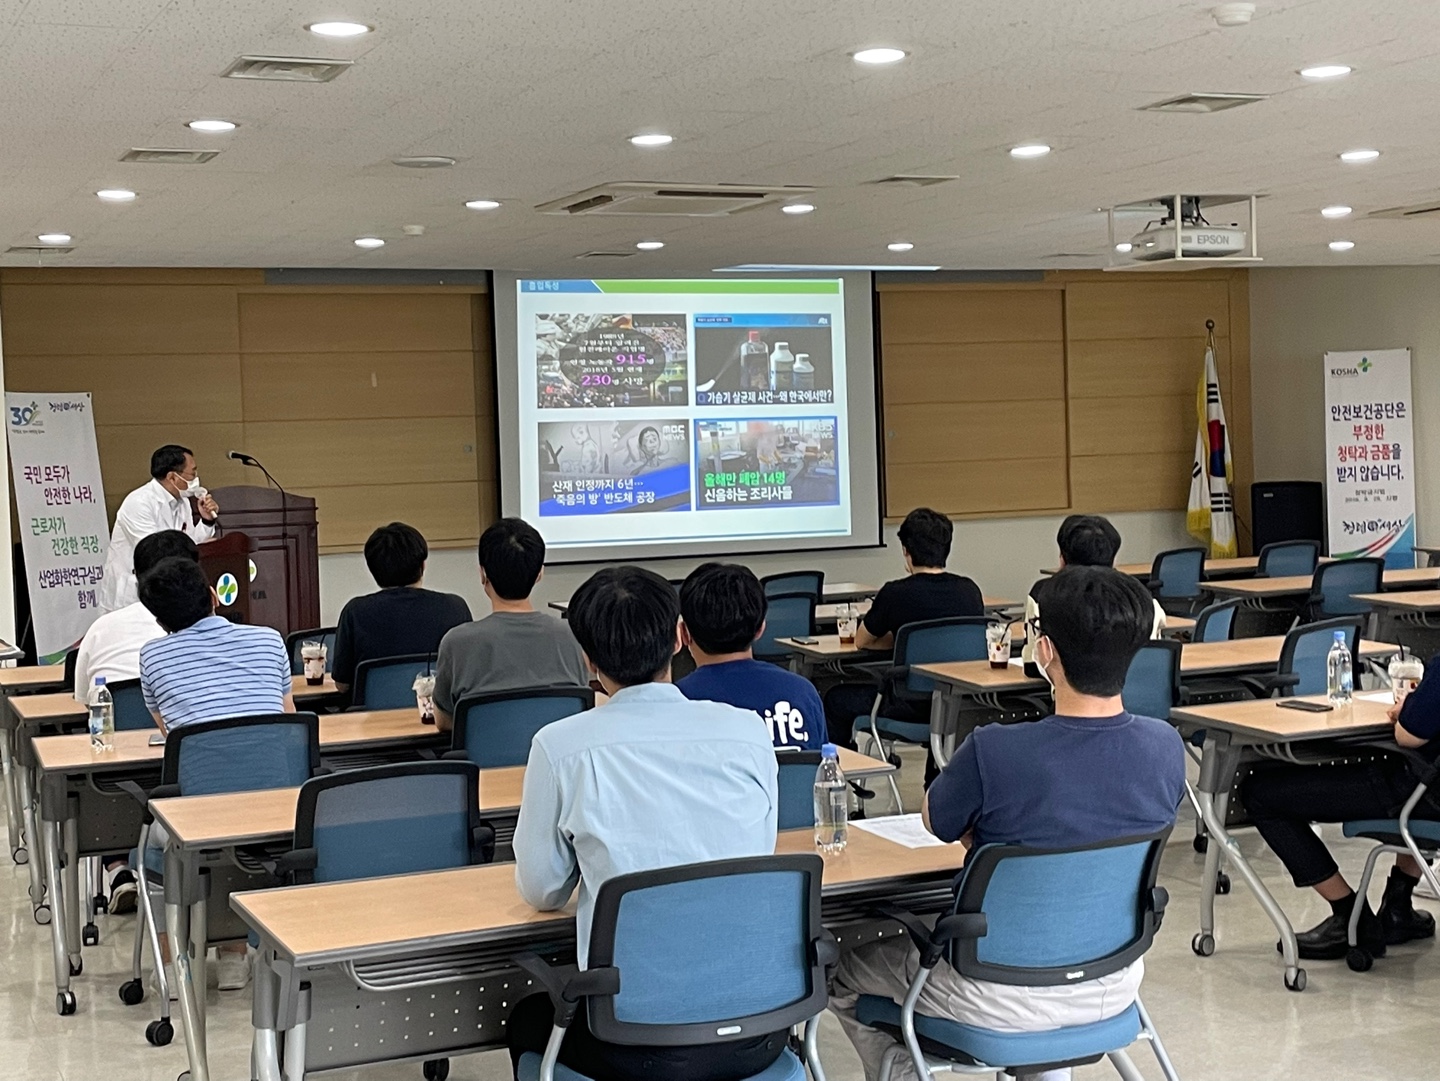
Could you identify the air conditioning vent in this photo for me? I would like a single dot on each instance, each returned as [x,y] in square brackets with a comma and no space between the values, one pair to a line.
[286,69]
[640,199]
[605,255]
[915,180]
[160,156]
[1202,103]
[38,249]
[1419,210]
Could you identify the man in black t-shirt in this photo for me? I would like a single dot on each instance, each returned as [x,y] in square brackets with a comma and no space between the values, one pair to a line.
[928,591]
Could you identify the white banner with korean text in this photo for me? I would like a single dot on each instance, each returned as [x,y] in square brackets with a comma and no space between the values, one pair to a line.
[60,505]
[1370,456]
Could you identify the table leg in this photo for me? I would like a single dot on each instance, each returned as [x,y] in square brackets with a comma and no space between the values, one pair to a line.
[177,922]
[64,997]
[200,954]
[265,1044]
[68,898]
[12,799]
[295,1039]
[26,792]
[944,719]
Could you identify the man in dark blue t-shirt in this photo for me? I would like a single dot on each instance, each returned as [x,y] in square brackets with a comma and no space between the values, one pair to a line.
[1088,774]
[723,608]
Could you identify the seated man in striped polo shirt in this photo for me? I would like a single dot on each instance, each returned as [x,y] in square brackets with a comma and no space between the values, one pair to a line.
[206,668]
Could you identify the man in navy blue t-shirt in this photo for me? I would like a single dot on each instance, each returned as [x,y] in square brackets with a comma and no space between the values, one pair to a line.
[1090,773]
[723,608]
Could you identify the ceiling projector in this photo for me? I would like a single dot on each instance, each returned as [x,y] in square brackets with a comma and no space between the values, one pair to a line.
[1195,237]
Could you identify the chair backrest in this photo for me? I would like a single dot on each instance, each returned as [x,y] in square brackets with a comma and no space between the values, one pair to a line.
[71,657]
[788,615]
[388,682]
[812,582]
[1216,622]
[1176,573]
[709,952]
[240,754]
[131,712]
[1286,558]
[1307,648]
[389,820]
[1333,584]
[293,642]
[496,729]
[1152,683]
[935,641]
[1057,915]
[797,788]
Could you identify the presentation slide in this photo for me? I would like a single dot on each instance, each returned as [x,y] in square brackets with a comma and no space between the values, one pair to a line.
[648,418]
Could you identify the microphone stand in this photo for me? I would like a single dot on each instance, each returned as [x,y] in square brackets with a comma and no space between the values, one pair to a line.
[284,519]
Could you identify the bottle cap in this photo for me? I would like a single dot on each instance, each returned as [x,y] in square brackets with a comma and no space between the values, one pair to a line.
[1340,637]
[754,335]
[99,681]
[829,750]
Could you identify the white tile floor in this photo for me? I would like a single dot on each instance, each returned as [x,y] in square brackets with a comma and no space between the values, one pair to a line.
[1223,1018]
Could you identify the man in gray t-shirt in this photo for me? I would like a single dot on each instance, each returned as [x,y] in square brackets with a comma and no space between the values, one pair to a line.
[515,647]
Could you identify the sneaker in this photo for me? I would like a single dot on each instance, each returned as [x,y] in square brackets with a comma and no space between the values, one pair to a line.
[232,971]
[120,888]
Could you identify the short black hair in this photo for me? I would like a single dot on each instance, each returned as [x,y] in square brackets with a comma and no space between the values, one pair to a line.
[512,552]
[395,554]
[926,535]
[1097,619]
[163,545]
[168,459]
[1088,540]
[624,619]
[177,593]
[723,605]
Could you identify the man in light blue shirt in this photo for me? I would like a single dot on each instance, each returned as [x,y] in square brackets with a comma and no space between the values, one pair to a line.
[648,780]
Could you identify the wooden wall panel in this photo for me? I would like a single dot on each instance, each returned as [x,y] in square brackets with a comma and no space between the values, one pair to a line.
[1132,306]
[1140,425]
[125,451]
[980,372]
[290,386]
[945,316]
[1115,482]
[306,322]
[1140,367]
[983,488]
[446,514]
[973,432]
[106,320]
[343,452]
[140,389]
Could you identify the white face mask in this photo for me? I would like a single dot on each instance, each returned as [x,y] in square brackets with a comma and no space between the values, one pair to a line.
[192,486]
[1044,671]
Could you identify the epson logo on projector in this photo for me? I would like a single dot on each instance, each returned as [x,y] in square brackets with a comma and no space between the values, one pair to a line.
[1216,240]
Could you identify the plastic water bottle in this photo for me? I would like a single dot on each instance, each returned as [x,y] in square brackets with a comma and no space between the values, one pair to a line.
[1340,682]
[832,803]
[102,716]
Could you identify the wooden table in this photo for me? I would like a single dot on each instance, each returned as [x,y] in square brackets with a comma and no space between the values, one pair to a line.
[1233,567]
[1430,552]
[1258,589]
[834,593]
[26,679]
[37,708]
[1232,731]
[463,926]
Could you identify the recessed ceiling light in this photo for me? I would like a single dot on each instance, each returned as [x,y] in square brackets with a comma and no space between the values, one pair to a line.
[1336,211]
[653,138]
[338,29]
[881,55]
[1353,156]
[54,238]
[1124,246]
[482,204]
[1029,150]
[797,208]
[212,126]
[116,195]
[369,242]
[1326,71]
[900,245]
[650,245]
[1341,245]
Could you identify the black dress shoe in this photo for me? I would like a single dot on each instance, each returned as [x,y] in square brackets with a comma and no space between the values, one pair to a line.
[1402,922]
[1329,940]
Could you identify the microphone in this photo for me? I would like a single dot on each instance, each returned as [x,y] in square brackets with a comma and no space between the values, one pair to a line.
[255,463]
[241,457]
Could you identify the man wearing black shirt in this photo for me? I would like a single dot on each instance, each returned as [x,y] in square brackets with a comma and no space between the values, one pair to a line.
[928,592]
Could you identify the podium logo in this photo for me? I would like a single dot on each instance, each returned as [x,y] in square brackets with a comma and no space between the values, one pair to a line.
[227,589]
[26,416]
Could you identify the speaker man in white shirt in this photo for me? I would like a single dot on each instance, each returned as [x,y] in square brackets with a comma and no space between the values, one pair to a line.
[164,503]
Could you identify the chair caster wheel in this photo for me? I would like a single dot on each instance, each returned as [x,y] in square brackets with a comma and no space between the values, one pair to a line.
[20,856]
[1359,959]
[102,904]
[90,935]
[1203,945]
[132,992]
[1200,843]
[77,967]
[1222,884]
[1296,982]
[65,1003]
[34,897]
[42,914]
[159,1033]
[436,1069]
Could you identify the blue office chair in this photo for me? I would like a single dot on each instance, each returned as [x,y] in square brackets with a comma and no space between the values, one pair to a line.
[324,635]
[1334,583]
[1175,579]
[1285,559]
[1152,682]
[812,582]
[1035,917]
[131,712]
[496,729]
[1303,667]
[697,955]
[787,615]
[797,788]
[388,682]
[1216,622]
[237,754]
[930,641]
[1404,835]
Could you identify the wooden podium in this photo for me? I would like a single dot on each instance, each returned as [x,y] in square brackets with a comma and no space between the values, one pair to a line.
[226,563]
[285,591]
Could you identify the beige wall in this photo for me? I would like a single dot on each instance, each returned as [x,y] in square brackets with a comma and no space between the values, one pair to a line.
[1296,315]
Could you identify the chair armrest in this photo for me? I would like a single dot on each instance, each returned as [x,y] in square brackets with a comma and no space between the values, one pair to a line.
[1159,899]
[825,950]
[1421,768]
[1264,686]
[960,925]
[454,756]
[288,863]
[930,952]
[482,843]
[567,985]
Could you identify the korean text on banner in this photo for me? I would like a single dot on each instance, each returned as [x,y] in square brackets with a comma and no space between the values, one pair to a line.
[1370,456]
[61,514]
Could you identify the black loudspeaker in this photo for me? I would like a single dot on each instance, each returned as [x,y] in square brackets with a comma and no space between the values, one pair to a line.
[1282,510]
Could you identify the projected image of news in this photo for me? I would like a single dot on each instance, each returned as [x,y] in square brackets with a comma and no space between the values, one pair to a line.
[609,467]
[763,359]
[592,359]
[766,463]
